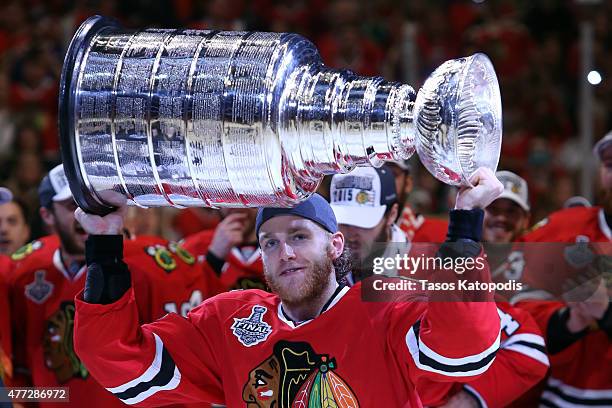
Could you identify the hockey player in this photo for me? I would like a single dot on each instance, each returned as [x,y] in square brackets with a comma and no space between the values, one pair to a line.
[48,274]
[364,202]
[230,252]
[578,334]
[310,343]
[365,205]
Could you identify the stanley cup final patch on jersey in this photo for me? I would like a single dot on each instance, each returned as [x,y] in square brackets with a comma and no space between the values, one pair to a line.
[40,289]
[252,330]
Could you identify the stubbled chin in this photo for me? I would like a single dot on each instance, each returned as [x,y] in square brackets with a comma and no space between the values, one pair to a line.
[498,235]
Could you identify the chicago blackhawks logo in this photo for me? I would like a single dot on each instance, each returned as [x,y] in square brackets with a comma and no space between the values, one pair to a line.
[58,346]
[26,250]
[250,282]
[182,253]
[252,330]
[362,197]
[294,376]
[163,258]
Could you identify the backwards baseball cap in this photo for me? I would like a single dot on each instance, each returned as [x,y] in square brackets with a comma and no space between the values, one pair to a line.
[54,187]
[515,188]
[315,208]
[361,197]
[602,145]
[5,195]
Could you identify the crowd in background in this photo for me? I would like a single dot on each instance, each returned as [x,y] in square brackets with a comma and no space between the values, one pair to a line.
[534,47]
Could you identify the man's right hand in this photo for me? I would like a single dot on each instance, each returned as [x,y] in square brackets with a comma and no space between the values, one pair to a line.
[228,234]
[110,224]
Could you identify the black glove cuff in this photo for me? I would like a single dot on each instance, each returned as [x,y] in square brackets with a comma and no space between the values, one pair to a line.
[215,262]
[104,249]
[558,335]
[465,224]
[605,323]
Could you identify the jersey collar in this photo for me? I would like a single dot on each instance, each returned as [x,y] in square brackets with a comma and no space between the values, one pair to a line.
[335,298]
[59,264]
[603,224]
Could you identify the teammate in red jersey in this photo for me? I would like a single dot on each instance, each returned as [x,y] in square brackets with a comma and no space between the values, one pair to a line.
[365,205]
[364,202]
[310,343]
[48,273]
[230,252]
[51,271]
[6,367]
[578,334]
[176,281]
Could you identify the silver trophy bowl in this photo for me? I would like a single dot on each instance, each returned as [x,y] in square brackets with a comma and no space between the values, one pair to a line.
[189,118]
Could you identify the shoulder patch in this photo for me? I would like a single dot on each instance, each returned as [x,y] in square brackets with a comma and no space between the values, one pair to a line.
[162,257]
[26,250]
[182,253]
[252,330]
[539,224]
[40,289]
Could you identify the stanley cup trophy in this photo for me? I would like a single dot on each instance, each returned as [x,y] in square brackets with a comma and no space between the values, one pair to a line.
[221,118]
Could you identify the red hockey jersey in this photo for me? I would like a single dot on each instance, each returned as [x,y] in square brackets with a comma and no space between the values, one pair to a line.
[165,280]
[243,268]
[420,229]
[6,368]
[520,364]
[581,375]
[176,280]
[42,304]
[572,225]
[238,348]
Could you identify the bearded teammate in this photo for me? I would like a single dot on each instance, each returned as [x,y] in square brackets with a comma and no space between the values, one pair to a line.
[48,274]
[312,342]
[365,205]
[229,253]
[364,202]
[578,334]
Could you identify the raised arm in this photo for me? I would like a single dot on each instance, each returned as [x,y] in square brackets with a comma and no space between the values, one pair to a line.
[168,361]
[458,334]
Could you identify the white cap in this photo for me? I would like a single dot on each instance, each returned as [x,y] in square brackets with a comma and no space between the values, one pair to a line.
[5,195]
[603,143]
[515,188]
[60,183]
[54,187]
[361,197]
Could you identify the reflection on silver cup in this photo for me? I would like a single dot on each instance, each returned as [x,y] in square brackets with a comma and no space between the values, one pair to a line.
[217,118]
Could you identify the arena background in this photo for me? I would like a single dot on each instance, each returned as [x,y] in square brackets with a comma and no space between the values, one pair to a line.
[542,52]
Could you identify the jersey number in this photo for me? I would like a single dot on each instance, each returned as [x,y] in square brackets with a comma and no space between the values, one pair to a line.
[194,300]
[508,324]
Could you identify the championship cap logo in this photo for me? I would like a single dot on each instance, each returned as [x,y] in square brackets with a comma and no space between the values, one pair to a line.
[252,330]
[361,197]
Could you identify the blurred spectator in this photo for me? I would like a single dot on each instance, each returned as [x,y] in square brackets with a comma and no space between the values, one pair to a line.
[534,47]
[14,226]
